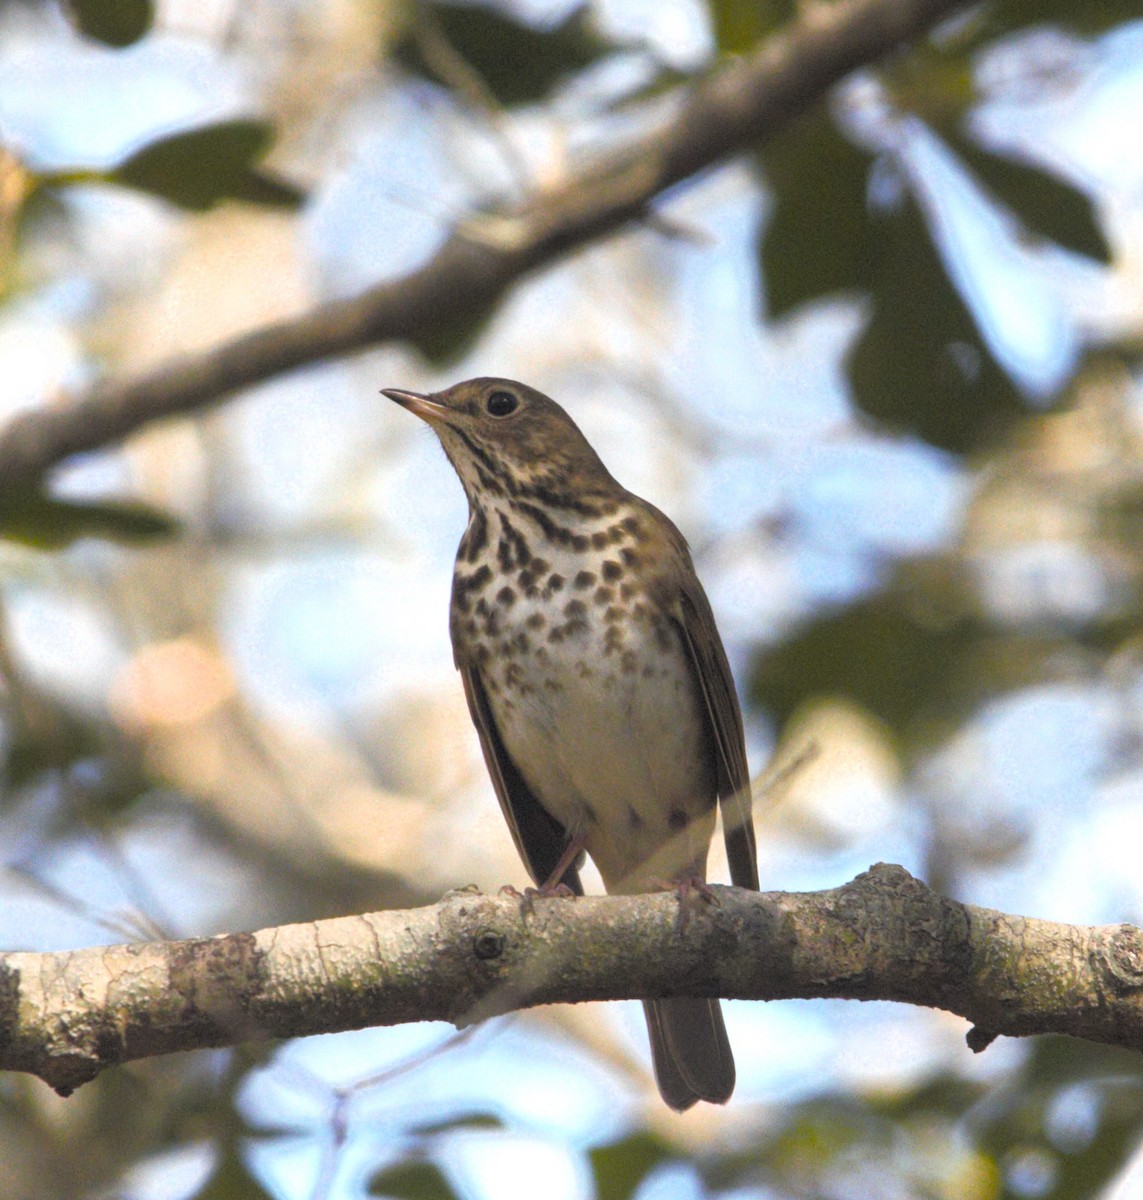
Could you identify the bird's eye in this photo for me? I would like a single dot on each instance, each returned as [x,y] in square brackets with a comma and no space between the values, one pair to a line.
[500,404]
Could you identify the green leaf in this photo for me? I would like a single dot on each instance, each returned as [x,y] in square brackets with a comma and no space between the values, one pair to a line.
[739,25]
[55,742]
[230,1180]
[1092,16]
[473,1120]
[114,22]
[819,238]
[1044,203]
[946,1095]
[1056,1061]
[47,523]
[199,168]
[412,1181]
[448,339]
[920,364]
[518,63]
[620,1167]
[913,655]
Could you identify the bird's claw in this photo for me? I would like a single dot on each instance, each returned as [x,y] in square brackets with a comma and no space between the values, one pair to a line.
[530,895]
[689,889]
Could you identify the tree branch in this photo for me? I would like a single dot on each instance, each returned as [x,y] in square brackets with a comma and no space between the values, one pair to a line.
[884,936]
[738,106]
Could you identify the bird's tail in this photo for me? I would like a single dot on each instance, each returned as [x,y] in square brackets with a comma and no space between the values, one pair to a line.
[690,1050]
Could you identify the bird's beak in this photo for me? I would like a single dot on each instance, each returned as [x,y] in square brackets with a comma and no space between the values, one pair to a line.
[422,406]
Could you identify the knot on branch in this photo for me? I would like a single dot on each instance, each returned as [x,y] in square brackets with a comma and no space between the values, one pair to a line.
[1123,957]
[488,943]
[889,875]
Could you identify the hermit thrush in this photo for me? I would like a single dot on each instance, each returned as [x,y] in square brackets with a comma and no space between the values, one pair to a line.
[595,677]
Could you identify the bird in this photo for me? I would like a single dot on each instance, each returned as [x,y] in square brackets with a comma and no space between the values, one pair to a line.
[596,680]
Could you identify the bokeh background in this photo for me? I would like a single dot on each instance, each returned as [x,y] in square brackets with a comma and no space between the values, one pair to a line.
[882,370]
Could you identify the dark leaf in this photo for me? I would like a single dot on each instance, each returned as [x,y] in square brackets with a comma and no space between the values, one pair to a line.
[1056,1061]
[114,22]
[739,25]
[517,62]
[473,1120]
[943,1095]
[412,1181]
[449,339]
[54,744]
[920,364]
[1043,202]
[620,1167]
[906,655]
[819,238]
[47,523]
[199,168]
[231,1180]
[665,79]
[939,85]
[1093,16]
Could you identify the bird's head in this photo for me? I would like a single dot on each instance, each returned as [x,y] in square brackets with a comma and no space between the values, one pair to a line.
[505,438]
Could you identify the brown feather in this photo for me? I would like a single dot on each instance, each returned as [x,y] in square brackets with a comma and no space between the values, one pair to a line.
[704,647]
[680,596]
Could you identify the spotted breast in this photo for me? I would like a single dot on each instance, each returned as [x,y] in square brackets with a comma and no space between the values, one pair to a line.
[591,690]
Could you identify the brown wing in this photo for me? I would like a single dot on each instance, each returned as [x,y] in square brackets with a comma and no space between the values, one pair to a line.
[540,839]
[692,614]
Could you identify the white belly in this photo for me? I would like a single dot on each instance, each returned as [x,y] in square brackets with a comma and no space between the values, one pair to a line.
[604,722]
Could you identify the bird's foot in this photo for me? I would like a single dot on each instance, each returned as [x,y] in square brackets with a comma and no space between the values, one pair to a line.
[530,895]
[691,890]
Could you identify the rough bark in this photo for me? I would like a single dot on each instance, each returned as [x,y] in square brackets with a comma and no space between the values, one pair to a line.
[885,936]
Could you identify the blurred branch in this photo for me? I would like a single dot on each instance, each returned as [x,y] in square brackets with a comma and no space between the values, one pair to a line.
[451,67]
[738,106]
[884,936]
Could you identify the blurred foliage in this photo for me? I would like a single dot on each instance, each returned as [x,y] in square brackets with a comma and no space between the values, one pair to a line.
[193,169]
[818,239]
[199,168]
[1076,1110]
[906,654]
[920,364]
[739,25]
[114,22]
[412,1181]
[48,523]
[517,62]
[231,1179]
[1093,16]
[619,1168]
[1046,206]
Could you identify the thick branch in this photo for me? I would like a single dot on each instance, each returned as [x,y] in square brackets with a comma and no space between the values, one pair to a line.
[737,107]
[885,936]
